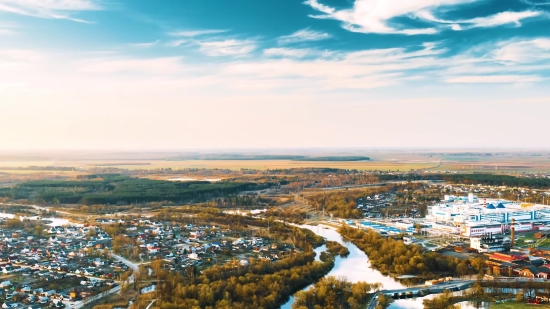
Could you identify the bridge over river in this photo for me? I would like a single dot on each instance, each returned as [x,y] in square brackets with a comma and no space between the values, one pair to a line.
[419,291]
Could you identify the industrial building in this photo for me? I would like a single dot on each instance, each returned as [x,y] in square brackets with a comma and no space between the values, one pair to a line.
[477,217]
[493,211]
[489,243]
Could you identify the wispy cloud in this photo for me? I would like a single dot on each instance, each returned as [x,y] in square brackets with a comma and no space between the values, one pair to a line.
[179,42]
[145,45]
[7,28]
[494,79]
[372,16]
[499,19]
[54,9]
[195,33]
[230,47]
[288,52]
[296,69]
[303,35]
[536,2]
[378,16]
[523,51]
[187,37]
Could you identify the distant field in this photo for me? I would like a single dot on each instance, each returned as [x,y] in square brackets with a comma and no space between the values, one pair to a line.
[232,164]
[380,161]
[277,164]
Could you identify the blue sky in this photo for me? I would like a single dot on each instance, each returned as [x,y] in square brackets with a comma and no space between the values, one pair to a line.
[182,74]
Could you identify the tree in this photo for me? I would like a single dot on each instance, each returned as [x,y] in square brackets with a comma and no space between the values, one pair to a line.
[418,228]
[519,296]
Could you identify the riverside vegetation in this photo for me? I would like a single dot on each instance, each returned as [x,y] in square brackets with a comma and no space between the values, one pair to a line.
[259,285]
[393,257]
[332,292]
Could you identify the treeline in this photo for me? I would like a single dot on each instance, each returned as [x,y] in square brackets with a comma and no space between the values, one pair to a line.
[268,157]
[121,190]
[261,284]
[484,179]
[331,292]
[38,168]
[334,159]
[242,201]
[394,257]
[489,291]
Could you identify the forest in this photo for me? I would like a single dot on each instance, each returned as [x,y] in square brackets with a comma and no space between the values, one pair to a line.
[342,203]
[484,179]
[331,292]
[121,190]
[393,257]
[259,285]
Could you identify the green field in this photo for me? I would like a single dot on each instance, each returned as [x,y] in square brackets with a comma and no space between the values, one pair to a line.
[514,305]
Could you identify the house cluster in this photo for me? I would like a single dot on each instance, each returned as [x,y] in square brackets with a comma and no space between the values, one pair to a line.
[182,246]
[60,264]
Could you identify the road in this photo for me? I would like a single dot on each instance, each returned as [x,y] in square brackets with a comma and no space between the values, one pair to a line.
[153,301]
[128,263]
[82,303]
[373,302]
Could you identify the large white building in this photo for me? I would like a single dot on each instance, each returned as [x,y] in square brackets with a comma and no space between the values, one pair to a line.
[477,217]
[500,211]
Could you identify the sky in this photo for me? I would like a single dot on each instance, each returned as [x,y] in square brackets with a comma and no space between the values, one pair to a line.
[211,74]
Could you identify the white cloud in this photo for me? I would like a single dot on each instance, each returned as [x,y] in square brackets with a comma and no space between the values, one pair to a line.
[55,9]
[499,19]
[176,43]
[303,35]
[195,33]
[494,79]
[502,18]
[525,51]
[372,16]
[145,45]
[298,70]
[296,52]
[227,47]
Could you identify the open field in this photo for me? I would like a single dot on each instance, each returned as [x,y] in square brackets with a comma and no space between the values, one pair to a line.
[385,160]
[229,164]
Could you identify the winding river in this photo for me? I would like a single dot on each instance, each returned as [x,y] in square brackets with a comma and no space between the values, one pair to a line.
[356,267]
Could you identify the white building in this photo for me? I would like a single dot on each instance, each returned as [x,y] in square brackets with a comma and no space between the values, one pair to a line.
[494,211]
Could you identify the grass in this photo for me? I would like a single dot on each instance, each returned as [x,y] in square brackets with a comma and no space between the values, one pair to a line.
[514,305]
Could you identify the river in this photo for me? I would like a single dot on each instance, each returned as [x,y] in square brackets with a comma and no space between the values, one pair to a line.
[356,267]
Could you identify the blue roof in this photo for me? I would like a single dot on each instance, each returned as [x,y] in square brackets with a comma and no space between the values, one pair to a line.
[490,206]
[500,205]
